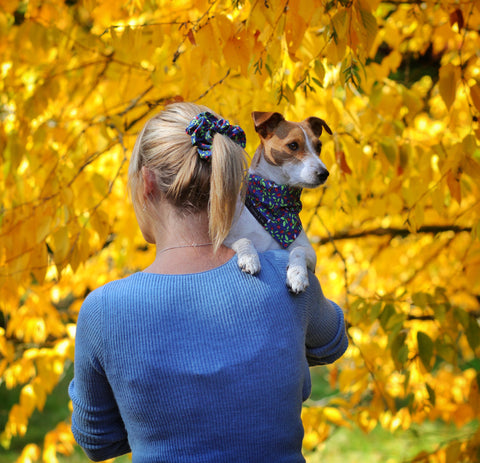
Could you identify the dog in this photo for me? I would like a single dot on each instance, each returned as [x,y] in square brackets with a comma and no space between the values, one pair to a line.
[286,161]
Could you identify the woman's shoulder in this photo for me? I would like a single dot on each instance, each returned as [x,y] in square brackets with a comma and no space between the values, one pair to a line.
[94,299]
[276,257]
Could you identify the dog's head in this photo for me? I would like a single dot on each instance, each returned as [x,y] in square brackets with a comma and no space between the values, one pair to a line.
[294,147]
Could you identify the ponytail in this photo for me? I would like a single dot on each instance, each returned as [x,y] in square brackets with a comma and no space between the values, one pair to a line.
[229,167]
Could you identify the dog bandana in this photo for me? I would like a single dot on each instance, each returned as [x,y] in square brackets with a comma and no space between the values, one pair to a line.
[205,125]
[276,207]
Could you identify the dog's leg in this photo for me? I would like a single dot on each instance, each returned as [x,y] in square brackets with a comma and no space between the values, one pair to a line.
[297,273]
[247,256]
[302,257]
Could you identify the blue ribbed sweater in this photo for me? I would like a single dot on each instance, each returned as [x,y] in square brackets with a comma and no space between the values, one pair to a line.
[205,367]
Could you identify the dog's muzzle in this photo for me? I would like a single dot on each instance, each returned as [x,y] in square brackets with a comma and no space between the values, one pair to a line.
[322,176]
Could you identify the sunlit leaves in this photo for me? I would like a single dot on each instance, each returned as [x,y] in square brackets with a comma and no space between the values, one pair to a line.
[397,229]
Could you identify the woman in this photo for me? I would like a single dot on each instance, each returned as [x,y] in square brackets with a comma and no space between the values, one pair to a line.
[193,360]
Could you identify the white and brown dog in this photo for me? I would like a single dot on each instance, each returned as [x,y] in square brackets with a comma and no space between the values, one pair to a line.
[286,161]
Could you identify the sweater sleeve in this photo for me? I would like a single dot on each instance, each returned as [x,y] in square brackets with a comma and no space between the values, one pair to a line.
[96,422]
[326,338]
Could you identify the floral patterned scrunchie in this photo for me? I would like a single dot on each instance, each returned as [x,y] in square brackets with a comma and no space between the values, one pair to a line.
[205,125]
[276,208]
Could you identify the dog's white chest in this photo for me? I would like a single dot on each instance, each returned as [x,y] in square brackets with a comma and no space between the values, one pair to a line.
[248,226]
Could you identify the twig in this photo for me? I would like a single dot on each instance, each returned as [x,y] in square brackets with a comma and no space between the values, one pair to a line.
[391,231]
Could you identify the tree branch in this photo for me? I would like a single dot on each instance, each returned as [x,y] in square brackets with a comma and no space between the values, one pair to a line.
[391,231]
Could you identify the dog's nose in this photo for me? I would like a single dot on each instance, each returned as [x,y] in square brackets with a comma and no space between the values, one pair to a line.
[323,175]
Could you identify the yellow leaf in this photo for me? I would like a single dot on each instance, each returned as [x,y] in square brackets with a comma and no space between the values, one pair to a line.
[419,215]
[438,200]
[448,78]
[370,25]
[9,6]
[475,94]
[27,399]
[369,5]
[61,245]
[333,415]
[454,186]
[469,144]
[39,262]
[224,28]
[17,421]
[158,34]
[340,23]
[366,422]
[100,224]
[452,452]
[474,396]
[100,183]
[43,227]
[30,454]
[295,28]
[81,249]
[412,100]
[237,53]
[208,41]
[472,274]
[471,168]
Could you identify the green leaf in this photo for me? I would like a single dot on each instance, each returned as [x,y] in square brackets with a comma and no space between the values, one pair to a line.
[446,351]
[320,72]
[399,349]
[357,311]
[431,394]
[425,349]
[395,322]
[375,311]
[388,311]
[462,317]
[405,402]
[317,82]
[420,300]
[473,333]
[389,149]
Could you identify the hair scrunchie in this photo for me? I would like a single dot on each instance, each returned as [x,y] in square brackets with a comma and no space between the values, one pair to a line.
[205,125]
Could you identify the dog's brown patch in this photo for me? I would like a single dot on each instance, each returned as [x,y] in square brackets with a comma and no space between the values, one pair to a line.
[288,142]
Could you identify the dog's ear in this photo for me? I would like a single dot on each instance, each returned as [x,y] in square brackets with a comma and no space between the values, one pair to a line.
[317,125]
[266,123]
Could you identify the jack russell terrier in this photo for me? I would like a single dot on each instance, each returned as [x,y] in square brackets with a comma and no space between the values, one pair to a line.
[286,161]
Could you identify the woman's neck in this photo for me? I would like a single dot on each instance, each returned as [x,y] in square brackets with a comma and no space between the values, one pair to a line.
[186,260]
[183,245]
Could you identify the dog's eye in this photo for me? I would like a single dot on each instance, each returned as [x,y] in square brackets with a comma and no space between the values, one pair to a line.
[318,147]
[293,146]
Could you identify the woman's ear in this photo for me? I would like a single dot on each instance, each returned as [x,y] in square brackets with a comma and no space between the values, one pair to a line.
[149,183]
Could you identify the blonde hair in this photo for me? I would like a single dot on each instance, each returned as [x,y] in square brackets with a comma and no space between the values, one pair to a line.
[188,182]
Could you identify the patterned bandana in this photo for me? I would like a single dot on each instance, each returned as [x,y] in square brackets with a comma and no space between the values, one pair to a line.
[276,207]
[205,125]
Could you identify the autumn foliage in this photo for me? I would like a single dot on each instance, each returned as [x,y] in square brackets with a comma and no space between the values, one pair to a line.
[397,230]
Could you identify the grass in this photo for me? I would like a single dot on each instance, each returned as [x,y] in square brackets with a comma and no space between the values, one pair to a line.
[380,446]
[343,446]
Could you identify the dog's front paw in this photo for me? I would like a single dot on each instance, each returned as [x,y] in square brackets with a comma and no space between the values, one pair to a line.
[248,259]
[249,263]
[297,279]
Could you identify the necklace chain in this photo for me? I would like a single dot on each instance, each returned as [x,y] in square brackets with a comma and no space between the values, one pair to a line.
[193,245]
